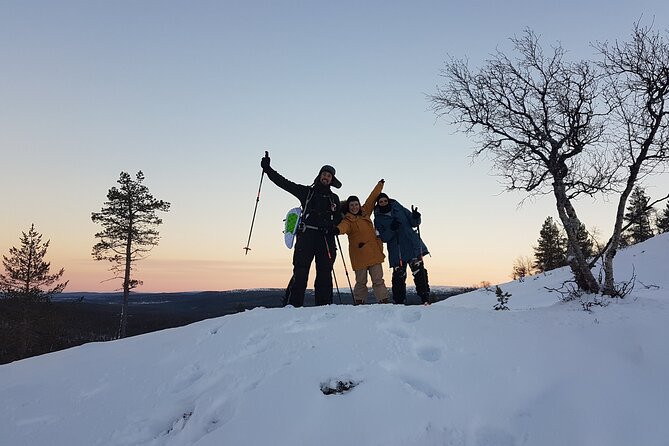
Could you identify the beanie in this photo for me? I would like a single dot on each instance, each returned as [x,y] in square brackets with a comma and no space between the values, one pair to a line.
[382,195]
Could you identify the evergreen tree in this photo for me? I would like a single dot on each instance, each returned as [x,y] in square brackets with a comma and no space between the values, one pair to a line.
[639,216]
[128,221]
[663,220]
[502,299]
[585,241]
[27,274]
[551,250]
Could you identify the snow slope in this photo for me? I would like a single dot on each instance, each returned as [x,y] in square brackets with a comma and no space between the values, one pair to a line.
[455,373]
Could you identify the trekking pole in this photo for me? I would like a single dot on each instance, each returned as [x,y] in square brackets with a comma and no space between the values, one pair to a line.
[262,175]
[327,246]
[420,247]
[419,238]
[346,270]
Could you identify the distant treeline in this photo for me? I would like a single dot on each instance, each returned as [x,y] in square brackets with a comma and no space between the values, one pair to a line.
[30,328]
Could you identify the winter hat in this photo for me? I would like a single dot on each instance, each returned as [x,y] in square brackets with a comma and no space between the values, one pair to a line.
[351,199]
[327,168]
[386,207]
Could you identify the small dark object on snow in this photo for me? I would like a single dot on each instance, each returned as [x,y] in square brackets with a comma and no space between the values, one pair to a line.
[336,386]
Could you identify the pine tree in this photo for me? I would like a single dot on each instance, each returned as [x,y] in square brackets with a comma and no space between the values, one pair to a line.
[128,221]
[585,241]
[639,216]
[502,299]
[551,250]
[663,220]
[27,274]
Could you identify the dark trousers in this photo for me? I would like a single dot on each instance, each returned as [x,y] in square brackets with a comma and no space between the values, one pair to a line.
[312,245]
[399,281]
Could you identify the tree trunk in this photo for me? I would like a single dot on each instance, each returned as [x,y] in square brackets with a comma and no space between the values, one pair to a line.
[612,250]
[126,284]
[577,261]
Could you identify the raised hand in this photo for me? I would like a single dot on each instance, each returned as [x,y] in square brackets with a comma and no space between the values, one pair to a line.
[264,162]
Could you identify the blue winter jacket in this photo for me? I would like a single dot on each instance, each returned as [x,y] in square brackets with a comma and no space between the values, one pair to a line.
[404,245]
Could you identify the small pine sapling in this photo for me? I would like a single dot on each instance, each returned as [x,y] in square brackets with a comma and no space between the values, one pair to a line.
[502,299]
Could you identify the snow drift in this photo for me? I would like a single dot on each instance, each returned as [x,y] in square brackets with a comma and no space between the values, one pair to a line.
[455,373]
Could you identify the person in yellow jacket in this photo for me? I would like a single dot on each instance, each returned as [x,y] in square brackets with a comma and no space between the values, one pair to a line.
[364,247]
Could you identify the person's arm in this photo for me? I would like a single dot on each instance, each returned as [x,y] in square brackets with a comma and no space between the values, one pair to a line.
[382,226]
[298,190]
[344,226]
[371,200]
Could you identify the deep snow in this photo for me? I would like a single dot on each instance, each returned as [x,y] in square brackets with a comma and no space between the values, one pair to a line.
[454,373]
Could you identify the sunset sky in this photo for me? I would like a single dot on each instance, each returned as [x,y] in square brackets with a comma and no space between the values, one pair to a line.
[193,92]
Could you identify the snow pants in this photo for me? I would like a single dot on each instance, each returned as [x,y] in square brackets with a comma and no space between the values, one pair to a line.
[360,290]
[399,281]
[312,245]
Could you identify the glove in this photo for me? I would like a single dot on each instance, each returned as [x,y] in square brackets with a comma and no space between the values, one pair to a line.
[414,213]
[264,163]
[382,181]
[395,225]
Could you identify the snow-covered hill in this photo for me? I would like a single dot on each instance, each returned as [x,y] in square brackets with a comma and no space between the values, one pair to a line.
[455,373]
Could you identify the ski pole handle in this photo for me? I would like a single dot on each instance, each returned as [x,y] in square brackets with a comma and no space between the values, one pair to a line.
[255,209]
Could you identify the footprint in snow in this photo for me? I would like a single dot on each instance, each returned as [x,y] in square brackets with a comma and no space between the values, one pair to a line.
[398,331]
[429,353]
[411,316]
[186,378]
[256,338]
[422,387]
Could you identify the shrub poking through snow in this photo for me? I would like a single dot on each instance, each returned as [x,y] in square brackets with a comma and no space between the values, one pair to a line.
[336,386]
[502,299]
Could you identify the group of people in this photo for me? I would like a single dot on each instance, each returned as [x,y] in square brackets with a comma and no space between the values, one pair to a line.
[324,217]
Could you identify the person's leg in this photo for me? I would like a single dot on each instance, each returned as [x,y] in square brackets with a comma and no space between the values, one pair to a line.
[326,253]
[399,283]
[378,284]
[360,289]
[288,289]
[302,257]
[421,280]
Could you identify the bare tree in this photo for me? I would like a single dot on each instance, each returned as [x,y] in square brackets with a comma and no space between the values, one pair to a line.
[637,76]
[536,117]
[523,266]
[128,221]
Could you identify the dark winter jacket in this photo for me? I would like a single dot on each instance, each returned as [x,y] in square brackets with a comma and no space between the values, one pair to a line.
[320,206]
[404,244]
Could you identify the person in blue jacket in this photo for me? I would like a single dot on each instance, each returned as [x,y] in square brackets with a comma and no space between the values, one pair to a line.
[395,225]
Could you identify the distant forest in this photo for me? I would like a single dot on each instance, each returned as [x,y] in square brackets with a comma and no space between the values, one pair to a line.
[70,319]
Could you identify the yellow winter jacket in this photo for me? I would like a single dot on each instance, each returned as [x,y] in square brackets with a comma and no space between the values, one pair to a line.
[364,247]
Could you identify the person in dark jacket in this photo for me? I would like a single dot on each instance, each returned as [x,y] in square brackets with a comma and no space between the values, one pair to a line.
[316,234]
[395,224]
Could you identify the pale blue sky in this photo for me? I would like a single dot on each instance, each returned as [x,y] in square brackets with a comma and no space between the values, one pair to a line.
[193,93]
